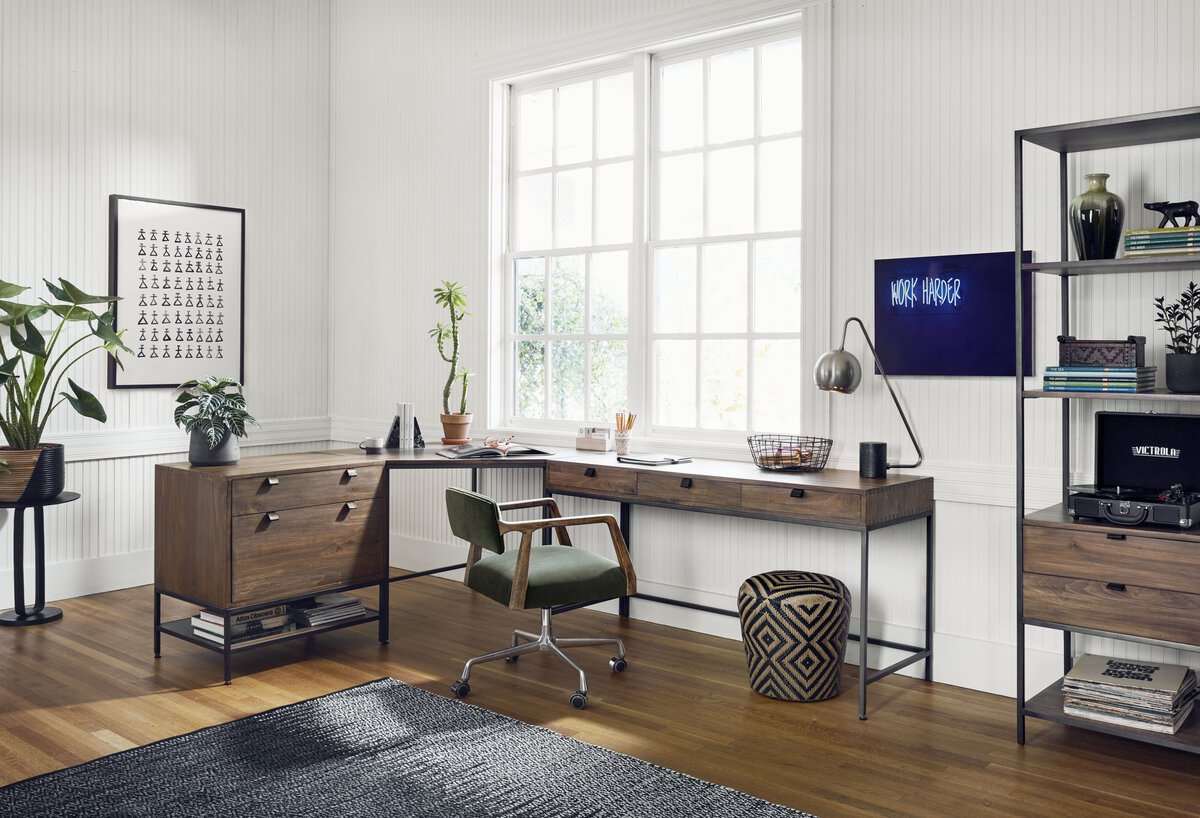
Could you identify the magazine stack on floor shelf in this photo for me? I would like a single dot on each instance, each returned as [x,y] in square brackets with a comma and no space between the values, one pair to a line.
[1130,693]
[247,625]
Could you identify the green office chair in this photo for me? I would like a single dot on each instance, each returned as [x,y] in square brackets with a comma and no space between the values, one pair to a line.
[537,576]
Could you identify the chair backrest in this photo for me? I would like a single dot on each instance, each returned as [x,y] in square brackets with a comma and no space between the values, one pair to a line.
[475,518]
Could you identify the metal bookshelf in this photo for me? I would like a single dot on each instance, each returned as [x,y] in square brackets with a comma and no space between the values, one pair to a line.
[1079,137]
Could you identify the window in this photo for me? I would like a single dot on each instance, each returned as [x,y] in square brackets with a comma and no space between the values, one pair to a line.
[654,242]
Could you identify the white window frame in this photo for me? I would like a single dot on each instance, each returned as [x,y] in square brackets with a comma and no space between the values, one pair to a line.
[810,20]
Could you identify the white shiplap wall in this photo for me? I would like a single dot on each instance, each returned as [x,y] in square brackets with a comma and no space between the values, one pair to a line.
[194,100]
[926,96]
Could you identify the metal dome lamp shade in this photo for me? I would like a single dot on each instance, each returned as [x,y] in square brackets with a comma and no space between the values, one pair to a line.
[839,371]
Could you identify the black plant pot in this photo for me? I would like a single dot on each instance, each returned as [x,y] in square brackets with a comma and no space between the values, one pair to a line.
[1183,372]
[49,475]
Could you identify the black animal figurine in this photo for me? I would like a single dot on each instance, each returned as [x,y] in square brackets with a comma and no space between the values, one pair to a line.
[1176,210]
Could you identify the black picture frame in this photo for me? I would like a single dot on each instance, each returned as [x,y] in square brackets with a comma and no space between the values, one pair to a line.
[119,379]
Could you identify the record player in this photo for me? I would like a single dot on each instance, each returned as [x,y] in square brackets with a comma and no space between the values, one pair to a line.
[1147,471]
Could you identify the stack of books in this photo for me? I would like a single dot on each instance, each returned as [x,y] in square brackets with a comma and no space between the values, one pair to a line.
[1141,695]
[1163,241]
[327,609]
[210,625]
[1099,378]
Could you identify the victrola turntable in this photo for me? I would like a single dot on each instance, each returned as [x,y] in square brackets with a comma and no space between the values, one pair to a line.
[1147,471]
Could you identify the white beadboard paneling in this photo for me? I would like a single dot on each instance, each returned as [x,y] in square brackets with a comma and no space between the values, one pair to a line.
[217,102]
[927,94]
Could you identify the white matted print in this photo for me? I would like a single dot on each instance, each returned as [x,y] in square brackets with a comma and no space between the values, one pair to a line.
[178,269]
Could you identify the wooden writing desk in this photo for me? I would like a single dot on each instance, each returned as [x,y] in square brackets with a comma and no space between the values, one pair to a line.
[278,527]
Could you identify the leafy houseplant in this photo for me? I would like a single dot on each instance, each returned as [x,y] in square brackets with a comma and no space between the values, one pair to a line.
[35,362]
[213,411]
[1181,321]
[456,426]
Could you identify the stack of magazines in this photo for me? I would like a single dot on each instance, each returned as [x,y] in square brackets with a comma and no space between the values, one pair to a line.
[327,609]
[1099,378]
[1162,241]
[1141,695]
[210,625]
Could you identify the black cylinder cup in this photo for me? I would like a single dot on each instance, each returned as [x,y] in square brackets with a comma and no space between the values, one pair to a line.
[872,459]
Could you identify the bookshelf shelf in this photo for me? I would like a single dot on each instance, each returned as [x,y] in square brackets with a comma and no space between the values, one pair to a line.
[1048,705]
[1159,394]
[1116,266]
[182,629]
[1069,602]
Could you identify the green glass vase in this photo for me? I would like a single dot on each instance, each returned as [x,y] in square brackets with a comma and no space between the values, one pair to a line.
[1096,217]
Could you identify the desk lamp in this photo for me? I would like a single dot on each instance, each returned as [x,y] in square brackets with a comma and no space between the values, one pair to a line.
[839,371]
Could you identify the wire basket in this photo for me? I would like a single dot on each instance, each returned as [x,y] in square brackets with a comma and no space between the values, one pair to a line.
[789,452]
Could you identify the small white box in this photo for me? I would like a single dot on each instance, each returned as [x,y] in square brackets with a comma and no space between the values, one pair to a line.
[594,439]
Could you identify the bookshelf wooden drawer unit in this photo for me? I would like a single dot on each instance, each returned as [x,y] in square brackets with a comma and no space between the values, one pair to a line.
[1082,577]
[265,532]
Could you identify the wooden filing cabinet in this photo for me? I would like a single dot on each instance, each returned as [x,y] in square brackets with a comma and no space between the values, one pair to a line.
[1123,581]
[266,531]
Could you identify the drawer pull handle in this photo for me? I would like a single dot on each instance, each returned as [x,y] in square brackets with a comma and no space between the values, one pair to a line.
[1115,586]
[350,473]
[272,516]
[1115,536]
[685,483]
[589,472]
[272,481]
[797,493]
[350,506]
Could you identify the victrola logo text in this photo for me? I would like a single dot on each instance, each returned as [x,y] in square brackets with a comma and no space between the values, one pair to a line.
[1155,451]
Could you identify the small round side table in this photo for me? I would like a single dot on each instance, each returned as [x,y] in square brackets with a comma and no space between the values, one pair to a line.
[40,614]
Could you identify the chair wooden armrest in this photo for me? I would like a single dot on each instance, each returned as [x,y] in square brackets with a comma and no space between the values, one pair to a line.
[541,502]
[527,529]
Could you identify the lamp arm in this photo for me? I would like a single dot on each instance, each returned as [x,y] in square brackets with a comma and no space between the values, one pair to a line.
[903,417]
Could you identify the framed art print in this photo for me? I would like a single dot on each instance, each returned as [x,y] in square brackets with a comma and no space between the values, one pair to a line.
[179,271]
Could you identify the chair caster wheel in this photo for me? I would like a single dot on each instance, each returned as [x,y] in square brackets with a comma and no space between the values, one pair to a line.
[511,660]
[460,689]
[618,664]
[578,700]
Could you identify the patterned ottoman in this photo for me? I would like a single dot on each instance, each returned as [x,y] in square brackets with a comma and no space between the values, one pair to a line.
[794,627]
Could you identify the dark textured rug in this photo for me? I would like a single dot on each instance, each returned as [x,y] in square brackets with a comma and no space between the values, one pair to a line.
[381,749]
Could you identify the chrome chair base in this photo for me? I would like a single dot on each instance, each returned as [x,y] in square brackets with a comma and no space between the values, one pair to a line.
[526,642]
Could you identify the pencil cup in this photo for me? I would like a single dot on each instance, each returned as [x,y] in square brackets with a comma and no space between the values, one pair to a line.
[622,440]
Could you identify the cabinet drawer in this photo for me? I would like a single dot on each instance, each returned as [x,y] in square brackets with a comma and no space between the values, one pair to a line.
[1147,561]
[305,550]
[272,493]
[601,479]
[1139,611]
[812,504]
[688,491]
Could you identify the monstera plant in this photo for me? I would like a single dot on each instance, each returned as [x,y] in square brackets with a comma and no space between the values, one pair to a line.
[44,341]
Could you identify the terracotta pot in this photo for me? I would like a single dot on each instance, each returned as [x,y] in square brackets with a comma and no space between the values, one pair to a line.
[34,475]
[456,429]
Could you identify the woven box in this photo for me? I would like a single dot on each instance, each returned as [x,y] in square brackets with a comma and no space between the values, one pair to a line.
[1074,351]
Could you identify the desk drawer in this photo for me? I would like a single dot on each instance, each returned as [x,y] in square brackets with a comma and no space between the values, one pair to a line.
[1083,603]
[688,491]
[306,550]
[1147,561]
[252,495]
[599,479]
[812,504]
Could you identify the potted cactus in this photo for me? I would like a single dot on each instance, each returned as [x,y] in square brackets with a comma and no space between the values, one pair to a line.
[34,364]
[456,426]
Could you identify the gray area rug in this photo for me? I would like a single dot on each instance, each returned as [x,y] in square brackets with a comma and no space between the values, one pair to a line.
[380,749]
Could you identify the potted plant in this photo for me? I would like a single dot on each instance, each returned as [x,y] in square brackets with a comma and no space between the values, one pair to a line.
[213,411]
[35,361]
[456,426]
[1181,320]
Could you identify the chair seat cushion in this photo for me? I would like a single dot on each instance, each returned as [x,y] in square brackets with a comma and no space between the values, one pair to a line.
[558,575]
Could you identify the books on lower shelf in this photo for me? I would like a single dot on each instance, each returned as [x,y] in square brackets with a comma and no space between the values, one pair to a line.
[1099,378]
[1162,241]
[1128,693]
[325,609]
[246,625]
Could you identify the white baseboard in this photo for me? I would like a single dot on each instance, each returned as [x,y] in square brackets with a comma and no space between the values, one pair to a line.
[65,580]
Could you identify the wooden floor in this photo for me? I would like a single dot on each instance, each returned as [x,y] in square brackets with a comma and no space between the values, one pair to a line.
[88,686]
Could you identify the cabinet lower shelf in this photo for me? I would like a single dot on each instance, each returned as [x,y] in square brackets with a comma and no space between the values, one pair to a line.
[1048,705]
[182,629]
